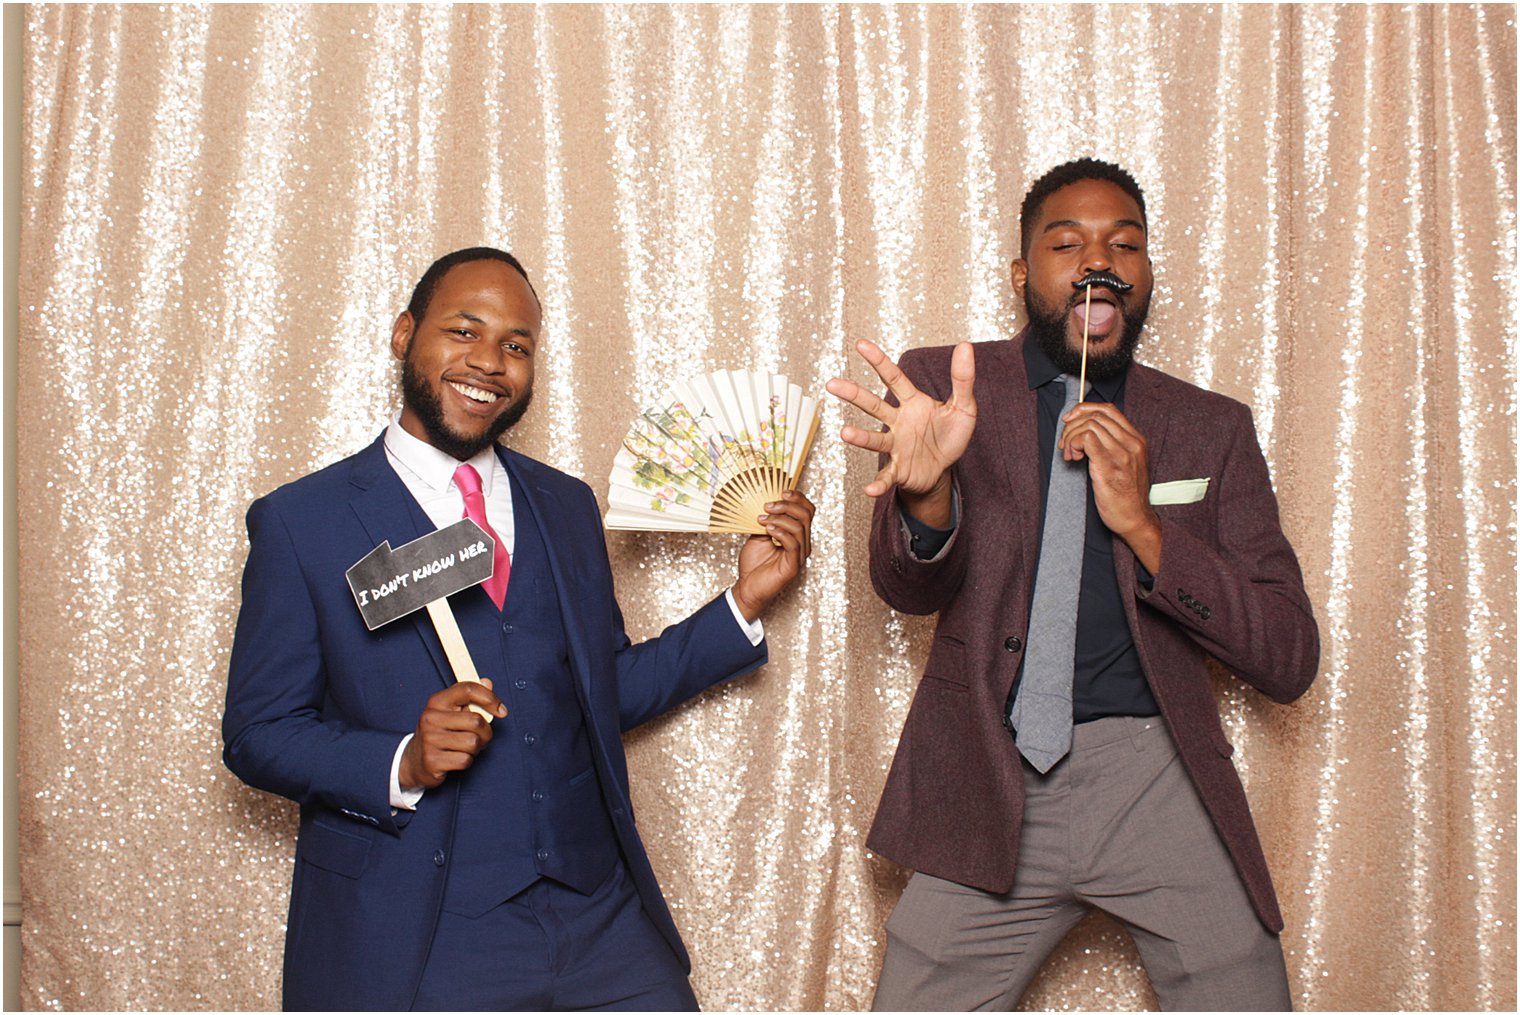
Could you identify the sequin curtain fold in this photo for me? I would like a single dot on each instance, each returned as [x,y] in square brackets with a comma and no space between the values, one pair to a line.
[225,206]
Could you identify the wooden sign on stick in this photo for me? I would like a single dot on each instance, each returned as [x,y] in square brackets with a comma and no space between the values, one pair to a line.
[388,584]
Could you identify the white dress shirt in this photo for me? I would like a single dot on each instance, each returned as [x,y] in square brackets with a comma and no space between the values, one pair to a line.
[428,475]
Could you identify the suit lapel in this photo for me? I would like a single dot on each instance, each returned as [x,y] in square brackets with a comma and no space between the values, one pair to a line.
[385,507]
[1006,408]
[1143,408]
[389,513]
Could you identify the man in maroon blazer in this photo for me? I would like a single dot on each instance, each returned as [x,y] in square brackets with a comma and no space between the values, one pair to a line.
[1137,811]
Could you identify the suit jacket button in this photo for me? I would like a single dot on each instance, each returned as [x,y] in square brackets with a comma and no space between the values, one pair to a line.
[1013,644]
[543,855]
[1204,613]
[438,858]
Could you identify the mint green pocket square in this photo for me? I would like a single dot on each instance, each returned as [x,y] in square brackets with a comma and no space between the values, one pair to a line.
[1179,491]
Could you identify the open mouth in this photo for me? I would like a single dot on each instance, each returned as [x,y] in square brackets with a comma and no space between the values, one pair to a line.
[473,393]
[1099,317]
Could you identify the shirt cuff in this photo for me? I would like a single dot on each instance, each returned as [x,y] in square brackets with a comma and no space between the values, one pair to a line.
[753,630]
[402,799]
[927,542]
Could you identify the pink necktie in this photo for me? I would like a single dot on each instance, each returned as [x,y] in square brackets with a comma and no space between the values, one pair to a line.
[468,481]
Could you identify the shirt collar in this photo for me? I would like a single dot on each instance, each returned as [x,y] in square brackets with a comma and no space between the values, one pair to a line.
[433,467]
[1042,371]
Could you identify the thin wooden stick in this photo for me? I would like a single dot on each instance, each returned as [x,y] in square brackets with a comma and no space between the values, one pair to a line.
[455,648]
[1082,381]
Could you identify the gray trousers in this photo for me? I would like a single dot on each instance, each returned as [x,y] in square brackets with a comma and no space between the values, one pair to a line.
[1115,826]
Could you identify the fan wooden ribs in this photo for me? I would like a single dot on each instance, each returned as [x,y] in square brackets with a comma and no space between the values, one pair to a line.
[711,453]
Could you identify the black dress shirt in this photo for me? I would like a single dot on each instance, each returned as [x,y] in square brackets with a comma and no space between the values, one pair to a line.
[1107,678]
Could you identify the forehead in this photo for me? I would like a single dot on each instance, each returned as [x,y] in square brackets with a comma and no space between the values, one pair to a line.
[1088,201]
[482,287]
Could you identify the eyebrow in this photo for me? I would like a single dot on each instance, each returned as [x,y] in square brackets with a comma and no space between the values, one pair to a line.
[1074,224]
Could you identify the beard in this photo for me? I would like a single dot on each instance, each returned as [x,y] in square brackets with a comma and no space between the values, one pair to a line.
[1047,326]
[425,402]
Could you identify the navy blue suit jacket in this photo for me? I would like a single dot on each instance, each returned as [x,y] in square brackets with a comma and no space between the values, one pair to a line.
[316,705]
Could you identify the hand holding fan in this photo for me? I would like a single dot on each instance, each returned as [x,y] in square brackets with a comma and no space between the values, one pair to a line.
[709,454]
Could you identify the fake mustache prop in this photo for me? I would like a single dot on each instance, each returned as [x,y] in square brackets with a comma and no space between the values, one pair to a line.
[1107,280]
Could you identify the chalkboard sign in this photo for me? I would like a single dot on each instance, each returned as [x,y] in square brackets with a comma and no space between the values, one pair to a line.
[392,583]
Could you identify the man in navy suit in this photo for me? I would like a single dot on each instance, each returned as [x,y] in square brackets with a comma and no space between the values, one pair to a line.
[444,861]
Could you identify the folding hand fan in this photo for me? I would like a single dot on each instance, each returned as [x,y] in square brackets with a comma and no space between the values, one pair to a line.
[709,454]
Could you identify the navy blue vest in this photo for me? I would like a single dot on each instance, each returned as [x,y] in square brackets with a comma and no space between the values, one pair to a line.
[531,805]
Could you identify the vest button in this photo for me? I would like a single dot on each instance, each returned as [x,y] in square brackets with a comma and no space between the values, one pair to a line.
[1013,644]
[438,858]
[543,855]
[538,795]
[519,683]
[529,739]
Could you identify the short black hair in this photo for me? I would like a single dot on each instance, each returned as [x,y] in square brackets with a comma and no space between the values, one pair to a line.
[422,295]
[1064,175]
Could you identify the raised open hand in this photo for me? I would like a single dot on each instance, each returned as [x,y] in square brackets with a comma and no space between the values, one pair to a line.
[924,437]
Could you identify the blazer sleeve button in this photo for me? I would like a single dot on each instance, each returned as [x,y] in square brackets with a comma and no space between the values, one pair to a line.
[1204,613]
[1012,643]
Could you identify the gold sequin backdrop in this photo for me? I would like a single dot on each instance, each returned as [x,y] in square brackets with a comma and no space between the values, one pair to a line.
[224,208]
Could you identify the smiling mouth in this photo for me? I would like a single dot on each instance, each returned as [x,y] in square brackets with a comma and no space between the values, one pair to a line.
[477,394]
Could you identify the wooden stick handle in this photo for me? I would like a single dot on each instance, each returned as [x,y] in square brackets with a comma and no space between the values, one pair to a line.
[1082,381]
[455,648]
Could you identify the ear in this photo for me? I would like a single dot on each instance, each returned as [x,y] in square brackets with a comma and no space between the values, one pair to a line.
[401,335]
[1019,272]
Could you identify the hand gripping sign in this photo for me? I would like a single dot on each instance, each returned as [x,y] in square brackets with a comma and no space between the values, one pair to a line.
[388,584]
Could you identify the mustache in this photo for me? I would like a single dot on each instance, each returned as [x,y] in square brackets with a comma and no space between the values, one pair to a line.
[1106,279]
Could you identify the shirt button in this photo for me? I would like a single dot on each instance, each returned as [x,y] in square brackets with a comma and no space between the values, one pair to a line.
[1013,644]
[438,858]
[538,795]
[519,683]
[529,739]
[543,855]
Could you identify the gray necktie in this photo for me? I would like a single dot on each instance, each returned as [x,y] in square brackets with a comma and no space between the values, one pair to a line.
[1041,713]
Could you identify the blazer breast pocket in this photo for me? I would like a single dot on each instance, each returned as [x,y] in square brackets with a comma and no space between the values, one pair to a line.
[1179,491]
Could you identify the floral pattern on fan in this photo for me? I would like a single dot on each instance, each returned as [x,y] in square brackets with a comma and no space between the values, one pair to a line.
[711,453]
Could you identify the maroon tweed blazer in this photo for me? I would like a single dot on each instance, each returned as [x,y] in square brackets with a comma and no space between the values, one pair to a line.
[1229,587]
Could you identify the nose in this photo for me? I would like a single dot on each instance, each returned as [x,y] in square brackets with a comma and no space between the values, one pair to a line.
[1095,258]
[487,357]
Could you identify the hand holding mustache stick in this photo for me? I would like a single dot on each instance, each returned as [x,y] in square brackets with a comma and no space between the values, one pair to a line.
[1086,282]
